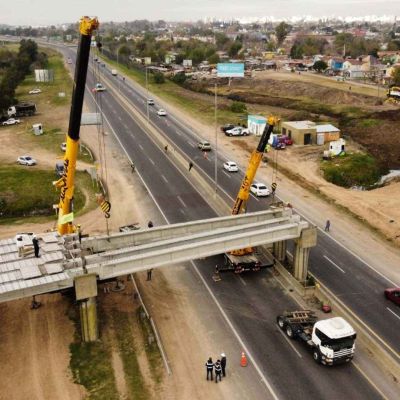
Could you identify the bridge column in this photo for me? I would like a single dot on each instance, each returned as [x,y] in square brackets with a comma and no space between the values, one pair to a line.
[86,292]
[307,239]
[279,250]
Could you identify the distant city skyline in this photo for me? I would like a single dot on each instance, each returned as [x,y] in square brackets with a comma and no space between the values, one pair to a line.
[48,12]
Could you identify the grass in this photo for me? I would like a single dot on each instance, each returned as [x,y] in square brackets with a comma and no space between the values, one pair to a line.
[124,337]
[352,170]
[152,350]
[28,192]
[91,365]
[368,123]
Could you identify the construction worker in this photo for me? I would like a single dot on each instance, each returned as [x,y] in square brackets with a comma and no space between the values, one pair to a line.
[166,148]
[79,231]
[223,362]
[149,272]
[210,368]
[218,370]
[35,243]
[190,165]
[327,225]
[150,224]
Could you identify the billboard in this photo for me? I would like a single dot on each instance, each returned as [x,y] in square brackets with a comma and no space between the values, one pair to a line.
[44,75]
[230,70]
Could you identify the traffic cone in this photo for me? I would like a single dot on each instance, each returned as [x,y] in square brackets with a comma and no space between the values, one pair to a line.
[243,361]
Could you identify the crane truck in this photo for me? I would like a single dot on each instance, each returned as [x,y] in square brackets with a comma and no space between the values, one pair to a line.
[331,340]
[243,260]
[66,183]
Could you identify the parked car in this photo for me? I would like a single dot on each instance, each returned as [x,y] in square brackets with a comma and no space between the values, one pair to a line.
[63,146]
[231,166]
[286,140]
[162,113]
[59,169]
[99,88]
[11,121]
[237,131]
[259,190]
[26,160]
[280,146]
[69,61]
[204,145]
[35,91]
[393,294]
[227,127]
[150,102]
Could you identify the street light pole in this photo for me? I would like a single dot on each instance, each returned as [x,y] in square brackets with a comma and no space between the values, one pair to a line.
[216,143]
[147,99]
[119,84]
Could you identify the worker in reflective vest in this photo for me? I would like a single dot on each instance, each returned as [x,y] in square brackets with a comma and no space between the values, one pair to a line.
[210,368]
[218,371]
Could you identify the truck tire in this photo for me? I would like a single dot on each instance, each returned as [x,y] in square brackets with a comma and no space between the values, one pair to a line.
[281,322]
[317,356]
[289,332]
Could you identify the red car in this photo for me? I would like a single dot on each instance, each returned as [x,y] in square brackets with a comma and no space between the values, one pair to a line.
[393,294]
[286,140]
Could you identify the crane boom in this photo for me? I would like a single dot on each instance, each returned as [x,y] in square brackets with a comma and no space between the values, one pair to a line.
[67,182]
[255,159]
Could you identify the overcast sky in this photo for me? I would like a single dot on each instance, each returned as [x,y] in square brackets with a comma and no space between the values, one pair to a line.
[44,12]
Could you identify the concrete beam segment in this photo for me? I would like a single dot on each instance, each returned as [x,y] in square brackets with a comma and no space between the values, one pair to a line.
[203,248]
[88,314]
[242,230]
[120,240]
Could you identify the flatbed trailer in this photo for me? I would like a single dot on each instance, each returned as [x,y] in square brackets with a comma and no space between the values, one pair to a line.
[250,262]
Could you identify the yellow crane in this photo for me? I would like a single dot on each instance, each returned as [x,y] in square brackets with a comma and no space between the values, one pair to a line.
[66,184]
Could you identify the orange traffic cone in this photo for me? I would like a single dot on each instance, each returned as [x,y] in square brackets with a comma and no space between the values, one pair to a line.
[243,361]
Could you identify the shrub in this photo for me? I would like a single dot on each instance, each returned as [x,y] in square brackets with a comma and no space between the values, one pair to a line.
[238,107]
[179,78]
[159,78]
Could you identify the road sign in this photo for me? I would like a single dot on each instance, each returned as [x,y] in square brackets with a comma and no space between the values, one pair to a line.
[230,70]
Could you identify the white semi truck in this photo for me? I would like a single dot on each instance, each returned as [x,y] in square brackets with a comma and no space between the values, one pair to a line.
[21,110]
[331,340]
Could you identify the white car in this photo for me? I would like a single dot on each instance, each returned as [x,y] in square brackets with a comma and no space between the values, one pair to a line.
[63,146]
[26,160]
[35,91]
[231,166]
[99,88]
[11,121]
[162,113]
[259,190]
[237,131]
[150,102]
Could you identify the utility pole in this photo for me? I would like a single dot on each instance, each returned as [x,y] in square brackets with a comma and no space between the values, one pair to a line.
[216,143]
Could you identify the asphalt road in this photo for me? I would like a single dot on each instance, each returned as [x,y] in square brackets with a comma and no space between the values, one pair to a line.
[358,286]
[251,302]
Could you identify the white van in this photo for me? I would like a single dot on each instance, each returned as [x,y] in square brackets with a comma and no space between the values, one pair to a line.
[114,72]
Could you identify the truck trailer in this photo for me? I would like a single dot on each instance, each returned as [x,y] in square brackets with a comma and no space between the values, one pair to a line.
[22,110]
[331,340]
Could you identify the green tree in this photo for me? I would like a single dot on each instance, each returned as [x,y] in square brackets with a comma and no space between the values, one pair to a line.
[396,76]
[158,78]
[296,51]
[238,107]
[234,49]
[281,31]
[213,59]
[320,66]
[179,78]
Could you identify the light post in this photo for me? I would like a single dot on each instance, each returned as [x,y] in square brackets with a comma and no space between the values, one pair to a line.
[147,98]
[216,143]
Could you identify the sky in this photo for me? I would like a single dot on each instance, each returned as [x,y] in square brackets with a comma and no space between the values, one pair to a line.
[46,12]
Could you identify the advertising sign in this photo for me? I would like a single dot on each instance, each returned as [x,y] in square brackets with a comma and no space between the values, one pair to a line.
[230,70]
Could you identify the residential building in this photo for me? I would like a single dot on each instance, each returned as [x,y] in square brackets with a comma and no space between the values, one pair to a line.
[308,132]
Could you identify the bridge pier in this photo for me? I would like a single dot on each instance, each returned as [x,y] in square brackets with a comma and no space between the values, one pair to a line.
[279,250]
[86,293]
[307,239]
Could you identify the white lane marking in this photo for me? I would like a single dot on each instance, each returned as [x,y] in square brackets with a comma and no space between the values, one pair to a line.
[242,280]
[151,161]
[239,339]
[291,344]
[126,126]
[141,147]
[119,118]
[254,197]
[181,201]
[191,143]
[335,265]
[178,132]
[397,316]
[227,173]
[164,178]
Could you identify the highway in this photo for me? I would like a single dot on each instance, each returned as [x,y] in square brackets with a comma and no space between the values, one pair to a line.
[250,302]
[357,285]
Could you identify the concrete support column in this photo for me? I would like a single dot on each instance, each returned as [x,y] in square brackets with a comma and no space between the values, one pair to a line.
[279,250]
[86,292]
[300,262]
[88,314]
[307,239]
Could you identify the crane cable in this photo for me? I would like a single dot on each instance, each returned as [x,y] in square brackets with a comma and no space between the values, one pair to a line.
[274,172]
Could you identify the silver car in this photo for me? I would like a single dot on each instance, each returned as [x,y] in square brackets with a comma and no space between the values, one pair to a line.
[26,160]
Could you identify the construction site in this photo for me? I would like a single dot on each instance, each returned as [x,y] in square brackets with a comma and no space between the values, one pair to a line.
[156,258]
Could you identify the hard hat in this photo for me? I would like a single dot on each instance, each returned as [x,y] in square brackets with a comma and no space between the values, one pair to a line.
[223,355]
